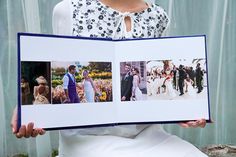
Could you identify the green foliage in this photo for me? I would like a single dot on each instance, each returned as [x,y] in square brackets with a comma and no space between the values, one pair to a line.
[100,66]
[56,83]
[54,153]
[78,78]
[101,75]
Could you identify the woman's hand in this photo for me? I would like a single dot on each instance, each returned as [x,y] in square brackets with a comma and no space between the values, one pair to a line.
[24,131]
[194,124]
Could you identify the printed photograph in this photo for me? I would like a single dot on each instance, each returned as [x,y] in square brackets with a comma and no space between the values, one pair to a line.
[177,79]
[35,83]
[81,82]
[133,81]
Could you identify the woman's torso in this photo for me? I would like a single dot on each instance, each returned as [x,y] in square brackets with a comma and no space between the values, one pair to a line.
[87,86]
[91,18]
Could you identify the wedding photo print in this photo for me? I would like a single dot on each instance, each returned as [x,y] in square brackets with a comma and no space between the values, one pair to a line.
[177,79]
[35,83]
[133,81]
[81,82]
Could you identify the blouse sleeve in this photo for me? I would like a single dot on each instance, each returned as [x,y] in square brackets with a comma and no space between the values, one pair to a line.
[162,21]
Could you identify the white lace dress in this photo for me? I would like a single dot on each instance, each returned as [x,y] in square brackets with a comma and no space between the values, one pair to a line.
[137,93]
[190,90]
[91,18]
[88,91]
[170,90]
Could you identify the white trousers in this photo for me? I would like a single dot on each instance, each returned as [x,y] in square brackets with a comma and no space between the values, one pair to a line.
[152,142]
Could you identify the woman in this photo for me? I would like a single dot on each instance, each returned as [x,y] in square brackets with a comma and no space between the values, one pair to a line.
[136,92]
[58,95]
[25,91]
[168,83]
[189,87]
[88,86]
[41,98]
[117,19]
[158,82]
[41,91]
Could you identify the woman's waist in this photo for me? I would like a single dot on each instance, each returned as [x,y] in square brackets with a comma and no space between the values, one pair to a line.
[128,131]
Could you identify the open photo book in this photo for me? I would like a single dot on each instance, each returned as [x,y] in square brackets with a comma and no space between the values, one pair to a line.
[75,82]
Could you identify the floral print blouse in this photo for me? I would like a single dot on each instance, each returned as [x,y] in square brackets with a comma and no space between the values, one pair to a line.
[92,18]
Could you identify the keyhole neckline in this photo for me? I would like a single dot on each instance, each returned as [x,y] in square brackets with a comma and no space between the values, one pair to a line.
[125,12]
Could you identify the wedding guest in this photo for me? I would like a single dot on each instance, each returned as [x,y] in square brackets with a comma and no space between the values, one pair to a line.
[41,98]
[182,76]
[41,91]
[25,91]
[174,71]
[177,79]
[199,78]
[192,75]
[69,85]
[58,95]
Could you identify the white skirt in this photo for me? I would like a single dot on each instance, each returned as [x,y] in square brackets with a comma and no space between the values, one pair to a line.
[151,142]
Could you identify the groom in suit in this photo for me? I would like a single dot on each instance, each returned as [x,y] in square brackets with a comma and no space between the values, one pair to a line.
[182,76]
[199,78]
[126,84]
[69,85]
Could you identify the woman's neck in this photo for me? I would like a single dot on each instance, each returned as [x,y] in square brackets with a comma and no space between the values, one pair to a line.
[126,5]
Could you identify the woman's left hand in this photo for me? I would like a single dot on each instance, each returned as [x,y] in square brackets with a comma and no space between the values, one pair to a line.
[194,124]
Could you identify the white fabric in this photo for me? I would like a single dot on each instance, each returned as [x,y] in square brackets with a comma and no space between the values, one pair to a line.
[92,18]
[131,140]
[136,91]
[121,23]
[152,142]
[190,90]
[170,90]
[71,11]
[89,91]
[216,19]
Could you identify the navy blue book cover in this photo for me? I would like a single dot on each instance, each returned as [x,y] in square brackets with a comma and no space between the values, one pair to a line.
[75,82]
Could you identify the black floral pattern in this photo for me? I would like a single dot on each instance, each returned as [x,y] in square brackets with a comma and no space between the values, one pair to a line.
[91,18]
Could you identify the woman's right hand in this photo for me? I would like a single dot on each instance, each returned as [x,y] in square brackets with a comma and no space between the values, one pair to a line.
[24,131]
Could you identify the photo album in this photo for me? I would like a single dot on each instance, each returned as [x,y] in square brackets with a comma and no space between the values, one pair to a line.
[75,82]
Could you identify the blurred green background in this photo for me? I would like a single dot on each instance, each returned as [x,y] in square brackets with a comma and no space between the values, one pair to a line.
[215,18]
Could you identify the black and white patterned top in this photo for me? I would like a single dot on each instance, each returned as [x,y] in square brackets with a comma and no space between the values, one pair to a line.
[92,18]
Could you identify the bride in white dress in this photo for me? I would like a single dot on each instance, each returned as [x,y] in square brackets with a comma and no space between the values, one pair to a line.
[168,83]
[189,87]
[136,92]
[89,88]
